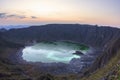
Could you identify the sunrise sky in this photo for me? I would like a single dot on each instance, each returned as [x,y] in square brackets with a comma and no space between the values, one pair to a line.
[31,12]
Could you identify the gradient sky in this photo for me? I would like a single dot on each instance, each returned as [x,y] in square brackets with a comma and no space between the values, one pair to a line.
[101,12]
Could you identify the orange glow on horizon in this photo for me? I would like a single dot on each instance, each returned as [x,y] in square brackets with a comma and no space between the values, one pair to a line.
[77,11]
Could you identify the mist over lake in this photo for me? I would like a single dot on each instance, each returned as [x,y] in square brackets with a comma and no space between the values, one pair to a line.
[50,52]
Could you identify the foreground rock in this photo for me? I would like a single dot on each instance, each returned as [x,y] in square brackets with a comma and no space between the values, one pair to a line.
[79,53]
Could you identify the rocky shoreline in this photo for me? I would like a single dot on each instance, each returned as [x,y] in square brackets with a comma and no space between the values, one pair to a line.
[75,66]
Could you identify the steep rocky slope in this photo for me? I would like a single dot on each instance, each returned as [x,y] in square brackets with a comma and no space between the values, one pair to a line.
[109,52]
[8,69]
[107,64]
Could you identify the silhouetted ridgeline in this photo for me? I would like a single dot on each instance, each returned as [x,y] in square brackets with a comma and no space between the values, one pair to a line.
[87,34]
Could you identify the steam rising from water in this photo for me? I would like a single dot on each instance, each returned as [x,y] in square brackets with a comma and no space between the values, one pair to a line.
[51,52]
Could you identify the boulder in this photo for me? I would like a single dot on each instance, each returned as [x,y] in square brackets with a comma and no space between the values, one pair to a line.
[78,53]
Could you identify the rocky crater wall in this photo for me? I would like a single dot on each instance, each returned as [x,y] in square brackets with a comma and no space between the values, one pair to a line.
[87,34]
[104,40]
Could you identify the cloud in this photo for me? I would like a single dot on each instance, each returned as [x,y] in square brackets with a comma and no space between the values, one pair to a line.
[16,16]
[2,15]
[33,17]
[6,15]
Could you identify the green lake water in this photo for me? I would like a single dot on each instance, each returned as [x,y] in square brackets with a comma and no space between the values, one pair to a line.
[49,52]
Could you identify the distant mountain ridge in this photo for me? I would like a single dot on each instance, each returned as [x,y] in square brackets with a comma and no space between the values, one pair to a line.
[8,27]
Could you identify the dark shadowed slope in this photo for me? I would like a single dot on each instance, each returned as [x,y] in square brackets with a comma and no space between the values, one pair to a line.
[87,34]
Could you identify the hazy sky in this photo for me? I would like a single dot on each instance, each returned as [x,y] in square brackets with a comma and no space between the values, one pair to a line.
[101,12]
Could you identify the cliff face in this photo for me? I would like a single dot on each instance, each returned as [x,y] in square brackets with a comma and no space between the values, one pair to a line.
[87,34]
[107,63]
